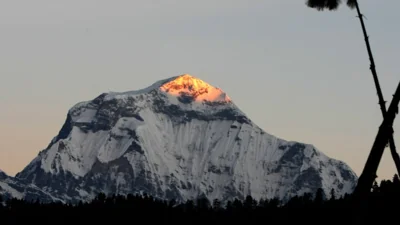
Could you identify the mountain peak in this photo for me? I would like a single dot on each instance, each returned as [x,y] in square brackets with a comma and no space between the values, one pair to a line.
[185,87]
[192,87]
[3,175]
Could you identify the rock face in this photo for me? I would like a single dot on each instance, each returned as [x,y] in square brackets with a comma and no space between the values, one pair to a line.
[11,187]
[179,138]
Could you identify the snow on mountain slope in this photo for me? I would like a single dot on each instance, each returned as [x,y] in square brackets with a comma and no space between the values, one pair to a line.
[179,138]
[14,188]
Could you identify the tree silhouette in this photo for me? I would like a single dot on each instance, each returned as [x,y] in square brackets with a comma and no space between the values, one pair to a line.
[375,187]
[368,174]
[333,5]
[333,195]
[216,204]
[329,4]
[319,196]
[203,204]
[396,180]
[189,205]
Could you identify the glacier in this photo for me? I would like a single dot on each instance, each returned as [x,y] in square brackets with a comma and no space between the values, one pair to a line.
[180,138]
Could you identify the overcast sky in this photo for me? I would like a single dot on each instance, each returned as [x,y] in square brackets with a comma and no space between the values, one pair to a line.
[299,74]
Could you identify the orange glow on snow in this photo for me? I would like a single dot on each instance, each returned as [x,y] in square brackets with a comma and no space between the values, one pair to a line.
[200,90]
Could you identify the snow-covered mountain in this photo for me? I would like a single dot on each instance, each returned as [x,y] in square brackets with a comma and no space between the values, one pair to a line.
[11,187]
[179,138]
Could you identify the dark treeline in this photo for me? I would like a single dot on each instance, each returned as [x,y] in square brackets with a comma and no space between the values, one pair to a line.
[383,206]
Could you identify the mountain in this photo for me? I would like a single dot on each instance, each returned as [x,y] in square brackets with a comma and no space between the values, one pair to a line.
[11,187]
[179,138]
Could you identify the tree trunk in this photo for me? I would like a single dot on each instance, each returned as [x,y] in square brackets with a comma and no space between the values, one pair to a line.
[368,175]
[395,156]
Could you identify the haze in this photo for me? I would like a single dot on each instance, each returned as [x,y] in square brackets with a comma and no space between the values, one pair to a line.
[299,74]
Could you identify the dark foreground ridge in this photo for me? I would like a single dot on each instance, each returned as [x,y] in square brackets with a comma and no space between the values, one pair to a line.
[383,203]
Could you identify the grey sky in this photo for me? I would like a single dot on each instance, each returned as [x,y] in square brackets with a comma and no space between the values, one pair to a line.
[299,74]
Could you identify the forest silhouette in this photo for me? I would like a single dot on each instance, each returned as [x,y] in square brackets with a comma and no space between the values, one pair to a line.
[314,208]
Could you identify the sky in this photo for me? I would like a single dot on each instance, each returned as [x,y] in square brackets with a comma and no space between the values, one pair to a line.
[299,74]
